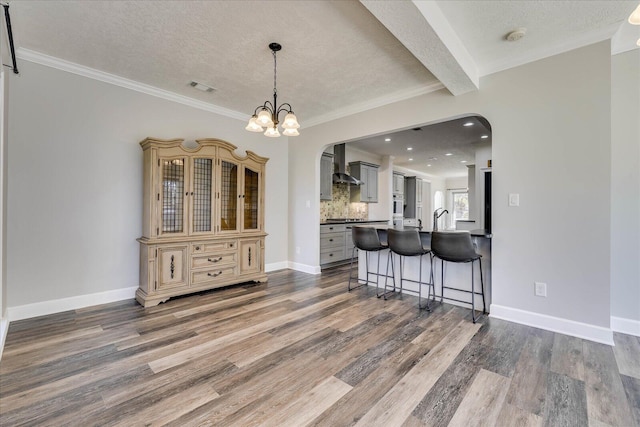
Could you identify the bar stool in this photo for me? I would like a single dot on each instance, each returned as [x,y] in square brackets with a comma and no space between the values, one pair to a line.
[365,239]
[457,247]
[407,243]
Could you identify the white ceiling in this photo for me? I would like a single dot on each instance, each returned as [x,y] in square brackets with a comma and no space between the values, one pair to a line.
[436,149]
[338,57]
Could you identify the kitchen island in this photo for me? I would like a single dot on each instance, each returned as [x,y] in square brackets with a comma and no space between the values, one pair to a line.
[455,275]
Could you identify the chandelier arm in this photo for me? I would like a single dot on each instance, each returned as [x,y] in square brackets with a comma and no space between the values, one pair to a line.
[283,107]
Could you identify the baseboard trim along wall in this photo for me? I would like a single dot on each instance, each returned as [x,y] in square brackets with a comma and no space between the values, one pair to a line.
[4,328]
[554,324]
[282,265]
[625,326]
[304,268]
[72,303]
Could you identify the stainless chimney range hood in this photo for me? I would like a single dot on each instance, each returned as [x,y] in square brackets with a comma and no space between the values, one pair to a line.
[341,176]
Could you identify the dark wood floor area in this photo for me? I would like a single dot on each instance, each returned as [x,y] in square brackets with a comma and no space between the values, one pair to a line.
[299,351]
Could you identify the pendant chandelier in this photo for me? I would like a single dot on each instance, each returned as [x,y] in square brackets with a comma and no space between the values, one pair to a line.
[265,117]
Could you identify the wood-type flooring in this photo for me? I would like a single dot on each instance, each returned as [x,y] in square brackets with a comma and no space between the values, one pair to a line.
[300,350]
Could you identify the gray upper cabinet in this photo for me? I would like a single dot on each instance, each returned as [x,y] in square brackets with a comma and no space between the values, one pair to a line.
[398,183]
[368,173]
[413,197]
[326,176]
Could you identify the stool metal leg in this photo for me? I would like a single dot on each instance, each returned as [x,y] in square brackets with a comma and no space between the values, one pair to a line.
[473,296]
[484,305]
[393,277]
[420,288]
[441,280]
[351,270]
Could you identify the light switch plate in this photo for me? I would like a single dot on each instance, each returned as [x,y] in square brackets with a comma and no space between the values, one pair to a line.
[514,199]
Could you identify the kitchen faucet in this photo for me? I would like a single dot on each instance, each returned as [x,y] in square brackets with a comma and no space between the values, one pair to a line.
[436,216]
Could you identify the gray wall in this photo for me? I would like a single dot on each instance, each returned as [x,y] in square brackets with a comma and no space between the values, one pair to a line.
[551,123]
[625,185]
[75,180]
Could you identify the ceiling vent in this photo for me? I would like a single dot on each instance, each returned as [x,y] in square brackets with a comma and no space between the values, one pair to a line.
[201,86]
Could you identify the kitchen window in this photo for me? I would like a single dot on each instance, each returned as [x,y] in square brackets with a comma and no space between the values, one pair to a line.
[459,205]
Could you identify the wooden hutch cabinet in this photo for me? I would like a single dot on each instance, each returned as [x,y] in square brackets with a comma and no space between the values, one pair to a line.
[203,218]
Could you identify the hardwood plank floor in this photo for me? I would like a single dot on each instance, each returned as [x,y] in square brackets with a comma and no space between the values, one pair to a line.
[300,350]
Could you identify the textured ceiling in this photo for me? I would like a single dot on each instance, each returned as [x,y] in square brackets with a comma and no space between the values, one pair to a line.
[334,54]
[552,27]
[337,57]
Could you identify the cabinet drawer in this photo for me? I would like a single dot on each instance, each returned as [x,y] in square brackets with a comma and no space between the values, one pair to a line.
[331,240]
[213,260]
[208,247]
[332,255]
[332,228]
[224,272]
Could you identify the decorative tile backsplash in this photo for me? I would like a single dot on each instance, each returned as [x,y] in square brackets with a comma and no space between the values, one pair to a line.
[341,207]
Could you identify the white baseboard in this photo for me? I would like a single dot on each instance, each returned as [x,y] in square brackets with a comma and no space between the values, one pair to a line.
[282,265]
[554,324]
[625,326]
[304,267]
[4,328]
[72,303]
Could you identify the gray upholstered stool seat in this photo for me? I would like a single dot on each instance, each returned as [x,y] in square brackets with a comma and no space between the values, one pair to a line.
[457,247]
[407,243]
[365,239]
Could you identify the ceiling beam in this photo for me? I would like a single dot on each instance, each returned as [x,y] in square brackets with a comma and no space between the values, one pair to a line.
[423,29]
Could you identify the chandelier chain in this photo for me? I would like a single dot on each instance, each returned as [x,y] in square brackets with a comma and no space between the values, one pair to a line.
[275,68]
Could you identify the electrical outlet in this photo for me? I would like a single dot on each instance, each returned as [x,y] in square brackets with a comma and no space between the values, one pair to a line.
[298,250]
[540,289]
[514,199]
[308,203]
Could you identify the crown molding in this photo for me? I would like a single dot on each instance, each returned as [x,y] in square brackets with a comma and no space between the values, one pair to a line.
[602,34]
[92,73]
[374,103]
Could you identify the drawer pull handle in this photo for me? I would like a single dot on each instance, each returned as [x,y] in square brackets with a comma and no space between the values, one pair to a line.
[331,240]
[214,260]
[214,274]
[197,248]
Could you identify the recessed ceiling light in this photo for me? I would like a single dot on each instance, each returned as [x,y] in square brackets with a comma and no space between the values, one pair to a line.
[410,159]
[387,140]
[409,148]
[429,165]
[463,161]
[432,158]
[448,154]
[484,136]
[468,124]
[201,86]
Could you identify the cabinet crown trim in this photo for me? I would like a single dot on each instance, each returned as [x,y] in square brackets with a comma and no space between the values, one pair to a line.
[150,142]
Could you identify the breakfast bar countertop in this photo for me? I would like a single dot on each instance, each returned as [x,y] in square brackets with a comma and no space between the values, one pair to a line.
[353,221]
[475,233]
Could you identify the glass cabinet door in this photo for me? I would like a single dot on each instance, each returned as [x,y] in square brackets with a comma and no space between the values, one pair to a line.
[251,199]
[229,196]
[201,215]
[173,196]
